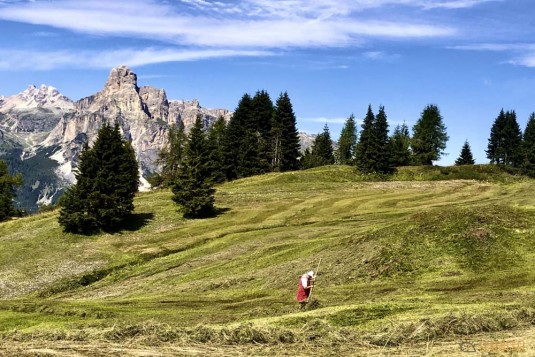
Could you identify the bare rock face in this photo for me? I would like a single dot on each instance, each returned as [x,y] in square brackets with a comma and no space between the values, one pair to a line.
[144,115]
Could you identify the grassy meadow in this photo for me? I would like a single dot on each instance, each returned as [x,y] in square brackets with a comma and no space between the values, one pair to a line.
[409,266]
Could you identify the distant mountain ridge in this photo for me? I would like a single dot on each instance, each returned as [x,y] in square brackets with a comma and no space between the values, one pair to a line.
[42,132]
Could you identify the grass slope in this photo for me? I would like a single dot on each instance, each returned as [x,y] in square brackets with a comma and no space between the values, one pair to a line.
[407,260]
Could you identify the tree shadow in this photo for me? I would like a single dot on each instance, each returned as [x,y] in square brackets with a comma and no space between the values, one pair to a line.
[135,221]
[216,212]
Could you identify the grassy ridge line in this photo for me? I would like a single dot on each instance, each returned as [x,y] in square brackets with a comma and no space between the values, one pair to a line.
[243,264]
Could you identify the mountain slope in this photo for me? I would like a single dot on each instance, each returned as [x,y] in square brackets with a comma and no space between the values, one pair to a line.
[393,254]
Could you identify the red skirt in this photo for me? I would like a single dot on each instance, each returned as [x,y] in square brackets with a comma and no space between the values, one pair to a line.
[302,293]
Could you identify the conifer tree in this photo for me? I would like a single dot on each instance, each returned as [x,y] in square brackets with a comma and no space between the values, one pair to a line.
[171,156]
[382,148]
[347,144]
[235,133]
[429,136]
[8,185]
[263,115]
[285,138]
[216,155]
[321,153]
[107,180]
[366,155]
[528,146]
[465,157]
[505,141]
[400,143]
[193,189]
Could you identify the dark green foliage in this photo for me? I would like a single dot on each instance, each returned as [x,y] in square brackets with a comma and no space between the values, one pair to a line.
[505,141]
[465,158]
[383,162]
[216,155]
[263,115]
[107,180]
[7,192]
[171,156]
[429,136]
[528,147]
[285,138]
[193,189]
[244,149]
[365,148]
[374,150]
[347,144]
[321,153]
[400,144]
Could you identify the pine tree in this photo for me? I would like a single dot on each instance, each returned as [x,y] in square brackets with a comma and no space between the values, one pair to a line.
[321,153]
[383,154]
[505,141]
[528,146]
[8,185]
[171,156]
[285,138]
[365,148]
[216,155]
[347,143]
[429,136]
[193,189]
[107,180]
[465,157]
[400,143]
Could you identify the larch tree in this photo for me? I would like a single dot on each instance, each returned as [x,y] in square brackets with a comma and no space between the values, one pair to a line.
[429,136]
[347,143]
[400,143]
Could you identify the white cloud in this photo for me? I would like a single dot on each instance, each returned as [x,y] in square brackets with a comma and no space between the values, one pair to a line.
[325,120]
[279,24]
[46,60]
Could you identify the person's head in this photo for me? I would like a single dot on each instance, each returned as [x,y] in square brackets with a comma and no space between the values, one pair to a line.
[311,273]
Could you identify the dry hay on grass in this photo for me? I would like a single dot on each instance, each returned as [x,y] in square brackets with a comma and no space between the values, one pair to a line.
[452,325]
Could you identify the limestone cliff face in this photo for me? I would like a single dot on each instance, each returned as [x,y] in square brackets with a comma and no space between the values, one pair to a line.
[144,115]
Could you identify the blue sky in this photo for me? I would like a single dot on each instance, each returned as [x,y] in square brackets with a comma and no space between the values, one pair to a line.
[334,57]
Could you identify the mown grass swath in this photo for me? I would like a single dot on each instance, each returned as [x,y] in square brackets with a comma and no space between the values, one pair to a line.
[432,253]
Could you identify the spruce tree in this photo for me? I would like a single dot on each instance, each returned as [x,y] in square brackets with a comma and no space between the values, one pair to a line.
[285,138]
[400,143]
[107,180]
[215,145]
[366,155]
[263,110]
[465,157]
[8,184]
[171,155]
[321,153]
[429,136]
[347,143]
[505,141]
[235,133]
[528,147]
[193,189]
[382,148]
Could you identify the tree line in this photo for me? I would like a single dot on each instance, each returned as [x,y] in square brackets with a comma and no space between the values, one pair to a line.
[260,137]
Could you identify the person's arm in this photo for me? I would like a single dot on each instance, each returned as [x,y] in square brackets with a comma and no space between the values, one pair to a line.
[304,282]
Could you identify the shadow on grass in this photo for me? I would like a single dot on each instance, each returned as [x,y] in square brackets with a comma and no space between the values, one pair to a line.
[136,221]
[216,212]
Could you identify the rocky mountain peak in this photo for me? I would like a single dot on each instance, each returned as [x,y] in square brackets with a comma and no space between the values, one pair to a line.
[46,97]
[121,78]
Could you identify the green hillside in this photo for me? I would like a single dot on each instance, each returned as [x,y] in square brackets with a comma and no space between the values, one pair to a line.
[429,255]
